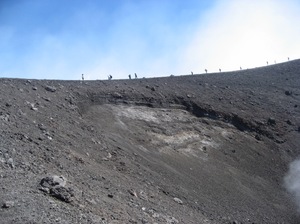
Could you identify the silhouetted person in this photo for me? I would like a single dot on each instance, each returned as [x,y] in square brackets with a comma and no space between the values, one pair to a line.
[205,70]
[129,76]
[82,77]
[192,73]
[110,77]
[135,75]
[267,62]
[288,58]
[240,68]
[219,70]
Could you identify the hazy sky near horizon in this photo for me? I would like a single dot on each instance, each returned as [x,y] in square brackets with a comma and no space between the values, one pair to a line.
[61,39]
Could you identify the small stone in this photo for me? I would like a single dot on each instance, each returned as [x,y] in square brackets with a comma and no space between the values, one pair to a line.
[110,196]
[271,121]
[8,204]
[279,140]
[288,93]
[62,193]
[143,195]
[178,201]
[47,99]
[21,113]
[171,220]
[155,215]
[32,107]
[10,162]
[117,95]
[53,181]
[144,221]
[34,88]
[50,89]
[258,137]
[132,192]
[91,201]
[42,127]
[4,117]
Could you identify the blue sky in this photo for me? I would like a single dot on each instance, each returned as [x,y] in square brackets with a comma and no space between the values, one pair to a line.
[61,39]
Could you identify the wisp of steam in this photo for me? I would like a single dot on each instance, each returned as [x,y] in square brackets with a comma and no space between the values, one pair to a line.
[292,181]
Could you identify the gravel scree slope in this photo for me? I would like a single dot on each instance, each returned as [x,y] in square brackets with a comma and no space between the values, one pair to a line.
[207,148]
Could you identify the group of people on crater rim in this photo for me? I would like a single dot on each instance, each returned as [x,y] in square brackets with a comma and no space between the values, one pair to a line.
[129,76]
[110,76]
[135,75]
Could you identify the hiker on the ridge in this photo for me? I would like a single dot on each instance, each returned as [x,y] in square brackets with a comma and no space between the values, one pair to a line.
[82,77]
[129,76]
[110,77]
[135,75]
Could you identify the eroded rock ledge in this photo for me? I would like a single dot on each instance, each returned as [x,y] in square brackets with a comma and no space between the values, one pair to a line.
[258,127]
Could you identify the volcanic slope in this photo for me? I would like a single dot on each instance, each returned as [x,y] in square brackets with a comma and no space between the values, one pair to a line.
[210,148]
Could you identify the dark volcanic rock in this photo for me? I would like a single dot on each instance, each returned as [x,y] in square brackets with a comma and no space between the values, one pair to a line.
[55,186]
[271,121]
[288,93]
[50,88]
[53,181]
[8,204]
[62,193]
